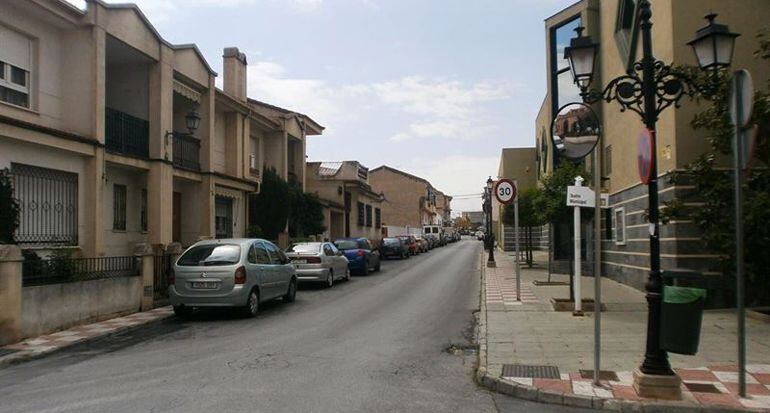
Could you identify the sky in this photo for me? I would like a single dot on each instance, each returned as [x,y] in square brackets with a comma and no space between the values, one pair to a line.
[435,88]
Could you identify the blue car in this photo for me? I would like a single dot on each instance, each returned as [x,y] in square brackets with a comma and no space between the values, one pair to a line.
[362,257]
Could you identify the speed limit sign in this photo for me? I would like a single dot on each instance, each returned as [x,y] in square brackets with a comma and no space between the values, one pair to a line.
[505,191]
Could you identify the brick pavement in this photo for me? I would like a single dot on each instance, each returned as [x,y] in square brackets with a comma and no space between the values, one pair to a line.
[531,333]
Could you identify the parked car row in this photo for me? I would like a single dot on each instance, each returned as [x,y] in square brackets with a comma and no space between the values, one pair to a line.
[244,273]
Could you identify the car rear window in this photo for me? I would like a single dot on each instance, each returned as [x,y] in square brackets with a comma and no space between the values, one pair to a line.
[211,254]
[305,248]
[346,245]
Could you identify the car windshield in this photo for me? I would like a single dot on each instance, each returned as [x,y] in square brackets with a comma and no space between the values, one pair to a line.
[390,241]
[310,248]
[346,244]
[211,254]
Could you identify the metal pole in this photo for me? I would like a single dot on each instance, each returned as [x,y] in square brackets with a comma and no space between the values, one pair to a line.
[578,270]
[516,224]
[740,287]
[597,261]
[655,360]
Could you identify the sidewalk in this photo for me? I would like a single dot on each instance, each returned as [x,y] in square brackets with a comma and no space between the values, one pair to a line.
[530,333]
[32,348]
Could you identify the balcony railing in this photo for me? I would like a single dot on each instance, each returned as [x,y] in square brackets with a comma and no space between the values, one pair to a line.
[187,152]
[126,134]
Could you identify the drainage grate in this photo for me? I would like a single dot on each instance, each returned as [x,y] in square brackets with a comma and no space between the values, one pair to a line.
[535,372]
[7,351]
[603,375]
[702,388]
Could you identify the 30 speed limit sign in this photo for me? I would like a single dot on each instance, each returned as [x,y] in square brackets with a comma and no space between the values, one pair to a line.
[505,191]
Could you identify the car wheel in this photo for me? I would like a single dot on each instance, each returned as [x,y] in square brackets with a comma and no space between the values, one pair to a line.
[330,279]
[252,304]
[183,312]
[365,270]
[377,268]
[347,273]
[291,293]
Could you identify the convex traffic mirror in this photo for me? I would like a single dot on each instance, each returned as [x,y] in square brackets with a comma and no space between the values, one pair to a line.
[575,131]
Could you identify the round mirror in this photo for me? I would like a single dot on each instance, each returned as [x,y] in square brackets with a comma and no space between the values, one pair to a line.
[575,131]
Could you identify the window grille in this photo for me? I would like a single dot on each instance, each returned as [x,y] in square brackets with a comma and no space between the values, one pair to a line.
[368,215]
[48,201]
[119,207]
[144,209]
[377,218]
[361,215]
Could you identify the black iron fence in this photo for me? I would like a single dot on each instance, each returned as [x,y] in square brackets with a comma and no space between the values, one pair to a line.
[126,134]
[187,152]
[36,271]
[161,271]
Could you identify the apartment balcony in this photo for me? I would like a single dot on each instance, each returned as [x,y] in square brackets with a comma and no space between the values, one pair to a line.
[187,151]
[126,134]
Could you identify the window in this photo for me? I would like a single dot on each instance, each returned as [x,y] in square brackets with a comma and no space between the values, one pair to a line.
[143,207]
[211,254]
[368,215]
[223,217]
[276,255]
[48,201]
[260,255]
[15,66]
[620,226]
[328,251]
[377,218]
[119,207]
[563,88]
[625,35]
[361,214]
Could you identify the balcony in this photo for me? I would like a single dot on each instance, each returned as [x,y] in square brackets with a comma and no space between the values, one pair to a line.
[187,152]
[126,134]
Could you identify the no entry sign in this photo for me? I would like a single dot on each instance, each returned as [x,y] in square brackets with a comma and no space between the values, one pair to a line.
[505,191]
[644,156]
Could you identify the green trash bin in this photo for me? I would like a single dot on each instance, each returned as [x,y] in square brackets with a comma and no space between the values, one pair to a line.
[681,317]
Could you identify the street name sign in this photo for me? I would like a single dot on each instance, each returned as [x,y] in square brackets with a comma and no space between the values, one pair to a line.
[583,196]
[505,191]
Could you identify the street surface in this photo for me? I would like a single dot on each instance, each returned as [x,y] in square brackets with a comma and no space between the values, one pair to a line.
[376,344]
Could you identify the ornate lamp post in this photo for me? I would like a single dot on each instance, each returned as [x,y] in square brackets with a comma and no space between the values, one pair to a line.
[490,235]
[648,89]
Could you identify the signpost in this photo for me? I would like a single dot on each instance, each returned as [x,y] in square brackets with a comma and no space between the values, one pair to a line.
[577,196]
[741,100]
[506,193]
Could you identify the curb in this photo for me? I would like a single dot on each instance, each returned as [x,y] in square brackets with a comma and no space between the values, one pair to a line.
[531,393]
[14,359]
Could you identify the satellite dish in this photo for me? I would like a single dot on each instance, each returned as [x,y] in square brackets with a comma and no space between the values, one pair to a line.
[575,131]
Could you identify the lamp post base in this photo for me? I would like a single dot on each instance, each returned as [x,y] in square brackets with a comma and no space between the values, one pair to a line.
[491,264]
[658,386]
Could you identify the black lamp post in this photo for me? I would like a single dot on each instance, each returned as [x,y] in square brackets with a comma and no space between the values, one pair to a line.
[488,209]
[648,89]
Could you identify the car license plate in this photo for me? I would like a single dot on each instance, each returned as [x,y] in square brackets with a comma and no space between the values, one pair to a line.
[205,285]
[299,261]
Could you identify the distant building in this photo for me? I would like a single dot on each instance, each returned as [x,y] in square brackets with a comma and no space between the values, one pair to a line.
[351,207]
[476,218]
[409,200]
[519,165]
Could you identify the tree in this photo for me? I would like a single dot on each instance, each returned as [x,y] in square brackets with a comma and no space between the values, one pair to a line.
[714,185]
[270,208]
[528,217]
[9,208]
[306,217]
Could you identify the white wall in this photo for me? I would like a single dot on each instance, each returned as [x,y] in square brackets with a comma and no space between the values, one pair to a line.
[118,242]
[21,152]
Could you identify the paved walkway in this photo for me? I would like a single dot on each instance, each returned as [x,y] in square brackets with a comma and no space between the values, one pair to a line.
[530,332]
[49,343]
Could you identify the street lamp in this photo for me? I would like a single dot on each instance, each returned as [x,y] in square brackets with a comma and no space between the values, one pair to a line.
[490,236]
[192,120]
[648,89]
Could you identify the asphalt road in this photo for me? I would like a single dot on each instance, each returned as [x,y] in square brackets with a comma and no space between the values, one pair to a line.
[374,344]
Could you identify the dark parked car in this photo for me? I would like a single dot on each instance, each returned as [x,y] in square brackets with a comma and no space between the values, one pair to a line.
[394,247]
[361,255]
[411,242]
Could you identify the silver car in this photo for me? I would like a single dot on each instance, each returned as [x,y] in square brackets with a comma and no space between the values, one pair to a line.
[318,262]
[231,273]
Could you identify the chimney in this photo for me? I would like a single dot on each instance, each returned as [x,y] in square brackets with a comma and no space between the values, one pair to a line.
[235,73]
